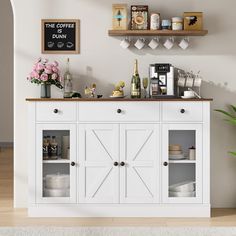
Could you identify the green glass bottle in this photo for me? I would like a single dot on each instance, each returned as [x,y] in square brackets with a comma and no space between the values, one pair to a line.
[136,82]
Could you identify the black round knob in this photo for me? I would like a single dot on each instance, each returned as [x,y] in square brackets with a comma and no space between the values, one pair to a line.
[55,111]
[72,163]
[165,163]
[182,111]
[119,111]
[122,163]
[116,163]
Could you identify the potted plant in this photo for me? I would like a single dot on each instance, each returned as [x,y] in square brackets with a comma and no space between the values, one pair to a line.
[45,74]
[230,117]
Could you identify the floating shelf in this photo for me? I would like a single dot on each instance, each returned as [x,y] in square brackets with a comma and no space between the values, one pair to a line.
[157,32]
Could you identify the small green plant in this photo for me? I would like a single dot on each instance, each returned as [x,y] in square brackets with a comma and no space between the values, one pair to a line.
[230,117]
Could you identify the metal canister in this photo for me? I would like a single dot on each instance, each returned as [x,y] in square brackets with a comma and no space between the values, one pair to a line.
[155,21]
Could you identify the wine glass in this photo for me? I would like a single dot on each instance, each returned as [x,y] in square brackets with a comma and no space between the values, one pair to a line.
[145,86]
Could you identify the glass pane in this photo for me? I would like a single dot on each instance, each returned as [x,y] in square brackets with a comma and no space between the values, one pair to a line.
[56,164]
[56,144]
[56,180]
[182,163]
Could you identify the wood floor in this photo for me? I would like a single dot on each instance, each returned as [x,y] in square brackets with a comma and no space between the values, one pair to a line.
[18,217]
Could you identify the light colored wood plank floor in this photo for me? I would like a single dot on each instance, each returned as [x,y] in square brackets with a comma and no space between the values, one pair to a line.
[18,217]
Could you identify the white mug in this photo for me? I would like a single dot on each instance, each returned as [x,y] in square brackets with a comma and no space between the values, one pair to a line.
[154,43]
[125,43]
[181,82]
[184,43]
[140,43]
[189,94]
[169,43]
[189,82]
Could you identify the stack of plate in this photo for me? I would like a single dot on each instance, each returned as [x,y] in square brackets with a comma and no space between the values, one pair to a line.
[184,189]
[57,185]
[175,152]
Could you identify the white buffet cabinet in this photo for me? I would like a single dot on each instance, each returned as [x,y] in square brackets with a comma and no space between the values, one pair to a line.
[113,158]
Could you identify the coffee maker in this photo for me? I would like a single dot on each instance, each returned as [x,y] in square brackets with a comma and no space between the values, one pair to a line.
[162,80]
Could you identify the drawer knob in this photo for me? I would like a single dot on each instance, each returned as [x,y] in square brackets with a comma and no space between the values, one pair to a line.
[165,163]
[55,111]
[72,163]
[182,111]
[122,163]
[116,163]
[119,111]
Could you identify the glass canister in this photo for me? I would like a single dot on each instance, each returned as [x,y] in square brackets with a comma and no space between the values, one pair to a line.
[177,23]
[166,24]
[155,21]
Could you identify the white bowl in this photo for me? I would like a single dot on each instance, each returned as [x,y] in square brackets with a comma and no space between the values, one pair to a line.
[187,186]
[57,181]
[182,194]
[56,192]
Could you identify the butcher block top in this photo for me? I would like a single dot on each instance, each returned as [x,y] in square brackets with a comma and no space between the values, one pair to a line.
[117,100]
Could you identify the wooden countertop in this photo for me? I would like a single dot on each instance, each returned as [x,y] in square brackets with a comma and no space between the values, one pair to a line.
[116,100]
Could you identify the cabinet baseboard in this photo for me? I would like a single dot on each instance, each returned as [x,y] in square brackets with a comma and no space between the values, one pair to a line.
[172,210]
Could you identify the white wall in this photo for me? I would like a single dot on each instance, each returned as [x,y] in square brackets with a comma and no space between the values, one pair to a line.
[6,72]
[104,62]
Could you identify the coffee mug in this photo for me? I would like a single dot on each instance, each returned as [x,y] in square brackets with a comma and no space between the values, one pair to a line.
[181,82]
[154,43]
[184,43]
[125,43]
[169,43]
[140,43]
[189,94]
[189,82]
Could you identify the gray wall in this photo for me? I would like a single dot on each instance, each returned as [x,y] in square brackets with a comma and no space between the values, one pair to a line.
[6,72]
[103,61]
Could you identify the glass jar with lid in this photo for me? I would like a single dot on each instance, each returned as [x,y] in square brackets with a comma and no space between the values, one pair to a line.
[177,23]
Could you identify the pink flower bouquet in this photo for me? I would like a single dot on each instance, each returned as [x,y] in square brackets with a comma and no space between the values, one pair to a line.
[45,73]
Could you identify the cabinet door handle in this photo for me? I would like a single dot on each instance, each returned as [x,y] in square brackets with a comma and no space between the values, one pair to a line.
[55,111]
[122,163]
[182,111]
[116,163]
[119,111]
[165,163]
[72,163]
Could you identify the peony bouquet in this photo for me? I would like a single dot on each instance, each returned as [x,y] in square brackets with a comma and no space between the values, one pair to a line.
[45,73]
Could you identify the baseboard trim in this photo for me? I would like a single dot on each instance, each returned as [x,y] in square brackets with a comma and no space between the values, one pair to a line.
[6,144]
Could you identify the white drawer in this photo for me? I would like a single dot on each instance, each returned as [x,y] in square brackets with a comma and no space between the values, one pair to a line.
[119,111]
[182,111]
[56,111]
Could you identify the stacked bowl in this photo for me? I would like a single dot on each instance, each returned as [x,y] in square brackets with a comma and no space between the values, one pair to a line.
[57,185]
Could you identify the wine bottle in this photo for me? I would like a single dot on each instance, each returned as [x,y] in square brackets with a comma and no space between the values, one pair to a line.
[136,82]
[68,86]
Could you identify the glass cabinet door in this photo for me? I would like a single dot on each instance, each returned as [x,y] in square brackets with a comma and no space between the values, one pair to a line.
[182,163]
[56,163]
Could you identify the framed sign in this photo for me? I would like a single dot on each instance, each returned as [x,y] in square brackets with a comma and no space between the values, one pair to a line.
[60,36]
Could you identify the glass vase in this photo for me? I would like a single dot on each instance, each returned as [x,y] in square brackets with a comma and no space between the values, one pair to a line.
[45,90]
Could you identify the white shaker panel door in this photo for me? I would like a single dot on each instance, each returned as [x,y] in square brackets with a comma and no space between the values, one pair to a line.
[98,163]
[139,163]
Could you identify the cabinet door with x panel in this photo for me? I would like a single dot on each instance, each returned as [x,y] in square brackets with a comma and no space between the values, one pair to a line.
[98,163]
[139,163]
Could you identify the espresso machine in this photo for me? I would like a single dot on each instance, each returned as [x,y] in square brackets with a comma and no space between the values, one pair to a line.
[162,80]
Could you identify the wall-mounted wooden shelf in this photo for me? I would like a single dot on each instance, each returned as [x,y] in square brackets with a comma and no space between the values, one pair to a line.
[157,32]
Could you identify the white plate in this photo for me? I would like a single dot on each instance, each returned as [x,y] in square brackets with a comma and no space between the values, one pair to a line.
[117,96]
[187,186]
[187,97]
[177,157]
[182,194]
